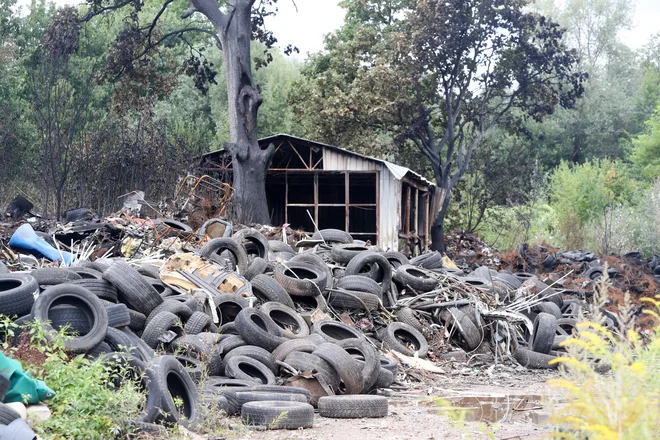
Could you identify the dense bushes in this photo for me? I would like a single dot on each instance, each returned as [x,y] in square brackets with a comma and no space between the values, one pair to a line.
[595,206]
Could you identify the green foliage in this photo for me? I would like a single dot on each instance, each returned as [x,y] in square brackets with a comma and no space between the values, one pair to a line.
[646,148]
[84,407]
[582,193]
[621,404]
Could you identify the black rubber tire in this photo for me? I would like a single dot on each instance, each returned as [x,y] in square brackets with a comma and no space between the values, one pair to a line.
[148,271]
[333,331]
[231,342]
[169,305]
[176,226]
[359,283]
[344,253]
[304,362]
[170,381]
[534,360]
[251,235]
[593,273]
[301,279]
[132,287]
[138,321]
[565,326]
[52,276]
[74,319]
[543,335]
[362,351]
[246,368]
[215,247]
[549,294]
[100,350]
[397,332]
[161,288]
[118,315]
[347,300]
[256,328]
[281,389]
[464,330]
[87,273]
[389,364]
[364,259]
[265,396]
[333,236]
[120,342]
[197,323]
[267,289]
[548,307]
[225,382]
[280,246]
[510,279]
[314,260]
[17,293]
[291,324]
[409,316]
[269,414]
[254,352]
[306,345]
[353,407]
[3,268]
[8,415]
[101,288]
[257,267]
[4,386]
[348,368]
[228,306]
[159,325]
[417,278]
[205,350]
[193,366]
[429,260]
[228,329]
[396,259]
[310,303]
[385,378]
[81,298]
[150,429]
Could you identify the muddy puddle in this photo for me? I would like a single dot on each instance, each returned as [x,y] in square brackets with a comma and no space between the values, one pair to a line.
[489,408]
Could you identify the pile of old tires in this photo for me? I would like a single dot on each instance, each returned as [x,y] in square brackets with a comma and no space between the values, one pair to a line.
[238,362]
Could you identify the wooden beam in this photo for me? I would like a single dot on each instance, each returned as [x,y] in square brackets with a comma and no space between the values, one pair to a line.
[316,194]
[346,199]
[407,230]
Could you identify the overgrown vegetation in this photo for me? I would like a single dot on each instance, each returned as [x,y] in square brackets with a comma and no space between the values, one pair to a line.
[84,407]
[612,380]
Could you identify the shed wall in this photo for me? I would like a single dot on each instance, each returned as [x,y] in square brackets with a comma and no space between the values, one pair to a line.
[389,193]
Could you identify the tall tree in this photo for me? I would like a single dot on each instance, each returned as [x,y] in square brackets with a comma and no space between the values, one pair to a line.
[440,74]
[61,92]
[233,24]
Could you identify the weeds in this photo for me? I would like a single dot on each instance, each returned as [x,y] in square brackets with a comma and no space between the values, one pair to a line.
[624,401]
[84,406]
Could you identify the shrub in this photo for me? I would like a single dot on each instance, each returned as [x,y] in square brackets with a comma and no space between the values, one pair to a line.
[630,227]
[622,403]
[580,194]
[84,406]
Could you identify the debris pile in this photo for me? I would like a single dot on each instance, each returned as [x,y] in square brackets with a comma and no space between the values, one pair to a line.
[223,317]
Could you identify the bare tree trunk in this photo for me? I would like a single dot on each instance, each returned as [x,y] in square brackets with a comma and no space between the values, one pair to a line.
[437,229]
[249,162]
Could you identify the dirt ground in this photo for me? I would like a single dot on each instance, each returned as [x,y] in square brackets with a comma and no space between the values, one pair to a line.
[504,400]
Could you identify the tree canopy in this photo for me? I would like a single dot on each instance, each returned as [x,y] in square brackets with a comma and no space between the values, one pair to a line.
[439,75]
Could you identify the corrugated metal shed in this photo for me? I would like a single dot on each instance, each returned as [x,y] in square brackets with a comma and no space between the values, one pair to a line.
[396,186]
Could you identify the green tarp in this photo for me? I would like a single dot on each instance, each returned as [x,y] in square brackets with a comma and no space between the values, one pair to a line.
[23,387]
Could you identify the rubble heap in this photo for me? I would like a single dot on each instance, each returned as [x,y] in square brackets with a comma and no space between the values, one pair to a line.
[226,317]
